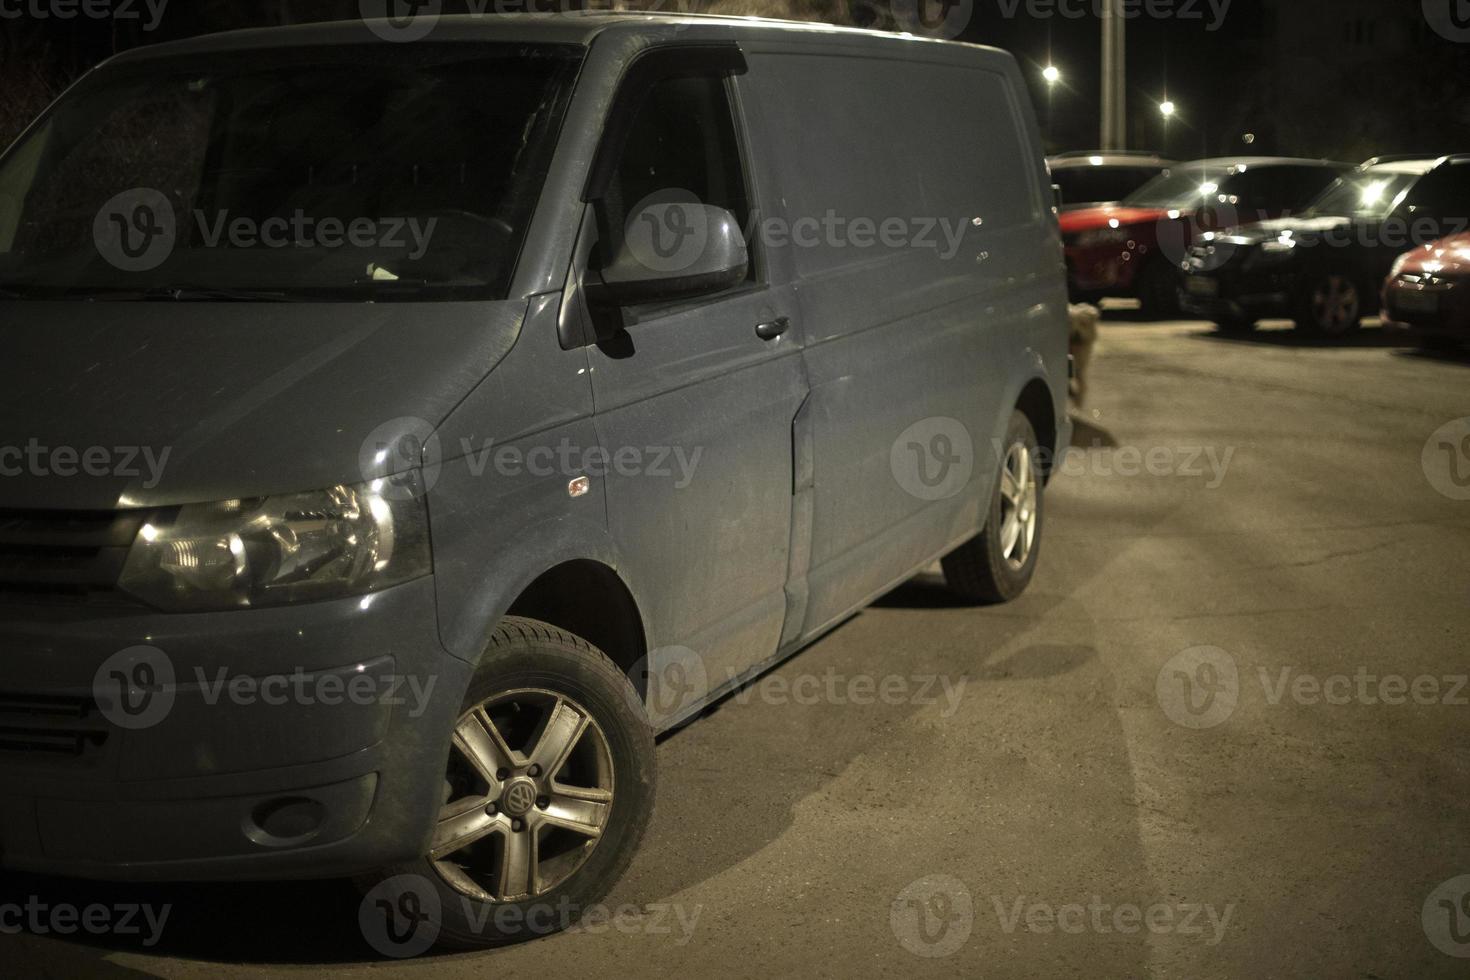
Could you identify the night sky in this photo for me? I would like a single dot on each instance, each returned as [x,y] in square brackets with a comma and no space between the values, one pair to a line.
[1240,74]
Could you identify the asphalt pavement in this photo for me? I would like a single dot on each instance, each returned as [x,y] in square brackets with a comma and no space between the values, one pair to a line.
[1226,733]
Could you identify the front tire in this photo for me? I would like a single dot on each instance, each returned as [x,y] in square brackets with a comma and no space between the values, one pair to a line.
[1330,305]
[548,789]
[997,564]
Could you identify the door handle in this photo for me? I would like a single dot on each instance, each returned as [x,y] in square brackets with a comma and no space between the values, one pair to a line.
[774,329]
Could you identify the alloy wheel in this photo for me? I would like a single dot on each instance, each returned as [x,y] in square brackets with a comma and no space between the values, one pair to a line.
[1018,492]
[528,793]
[1336,305]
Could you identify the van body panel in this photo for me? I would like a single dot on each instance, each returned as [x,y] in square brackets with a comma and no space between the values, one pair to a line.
[900,337]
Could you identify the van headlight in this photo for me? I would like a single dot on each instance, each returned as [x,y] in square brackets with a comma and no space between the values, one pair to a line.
[269,551]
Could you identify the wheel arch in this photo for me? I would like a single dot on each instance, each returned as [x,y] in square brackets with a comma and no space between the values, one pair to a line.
[1037,402]
[589,599]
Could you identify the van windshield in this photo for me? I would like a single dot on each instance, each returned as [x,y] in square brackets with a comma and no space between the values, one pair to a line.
[350,172]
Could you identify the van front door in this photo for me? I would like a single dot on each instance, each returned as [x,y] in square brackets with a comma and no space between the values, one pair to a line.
[694,409]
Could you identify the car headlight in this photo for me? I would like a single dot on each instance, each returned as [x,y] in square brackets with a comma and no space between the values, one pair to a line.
[269,551]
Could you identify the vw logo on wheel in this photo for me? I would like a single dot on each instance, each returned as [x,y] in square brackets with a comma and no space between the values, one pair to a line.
[519,797]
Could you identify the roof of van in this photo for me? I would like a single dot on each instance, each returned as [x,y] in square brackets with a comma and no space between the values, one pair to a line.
[574,27]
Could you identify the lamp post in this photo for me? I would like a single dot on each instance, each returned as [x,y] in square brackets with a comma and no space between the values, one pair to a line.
[1114,77]
[1051,74]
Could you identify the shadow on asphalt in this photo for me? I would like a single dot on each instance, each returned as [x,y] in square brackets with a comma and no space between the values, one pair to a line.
[1460,356]
[1286,336]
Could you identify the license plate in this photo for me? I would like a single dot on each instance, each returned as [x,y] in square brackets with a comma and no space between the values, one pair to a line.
[1415,302]
[1202,286]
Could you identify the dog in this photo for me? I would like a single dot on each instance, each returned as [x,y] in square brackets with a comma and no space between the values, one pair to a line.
[1081,344]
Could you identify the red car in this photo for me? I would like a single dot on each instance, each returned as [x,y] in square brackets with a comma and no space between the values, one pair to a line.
[1135,248]
[1427,295]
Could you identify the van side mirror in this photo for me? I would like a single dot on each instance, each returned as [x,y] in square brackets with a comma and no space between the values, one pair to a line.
[670,252]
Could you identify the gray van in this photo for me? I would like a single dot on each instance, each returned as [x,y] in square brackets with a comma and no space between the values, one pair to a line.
[399,428]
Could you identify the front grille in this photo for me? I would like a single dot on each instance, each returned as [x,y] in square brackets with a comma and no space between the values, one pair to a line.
[51,726]
[65,556]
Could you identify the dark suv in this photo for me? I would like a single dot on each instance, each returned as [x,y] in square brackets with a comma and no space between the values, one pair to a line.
[1323,267]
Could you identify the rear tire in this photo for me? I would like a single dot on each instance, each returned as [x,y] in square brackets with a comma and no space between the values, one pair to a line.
[997,564]
[573,823]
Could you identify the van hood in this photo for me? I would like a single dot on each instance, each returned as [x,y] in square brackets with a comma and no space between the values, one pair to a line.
[146,404]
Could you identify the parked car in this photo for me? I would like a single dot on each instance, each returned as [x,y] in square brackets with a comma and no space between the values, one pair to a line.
[564,471]
[1427,294]
[1134,249]
[1324,267]
[1091,178]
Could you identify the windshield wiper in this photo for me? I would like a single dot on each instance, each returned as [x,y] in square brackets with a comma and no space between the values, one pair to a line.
[185,294]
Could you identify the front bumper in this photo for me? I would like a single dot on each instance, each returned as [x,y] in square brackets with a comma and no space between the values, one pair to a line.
[1230,293]
[1428,314]
[302,741]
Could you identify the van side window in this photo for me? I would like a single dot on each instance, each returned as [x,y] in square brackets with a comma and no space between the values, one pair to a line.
[682,146]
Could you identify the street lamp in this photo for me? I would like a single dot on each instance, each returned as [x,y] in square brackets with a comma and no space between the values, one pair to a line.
[1167,108]
[1052,75]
